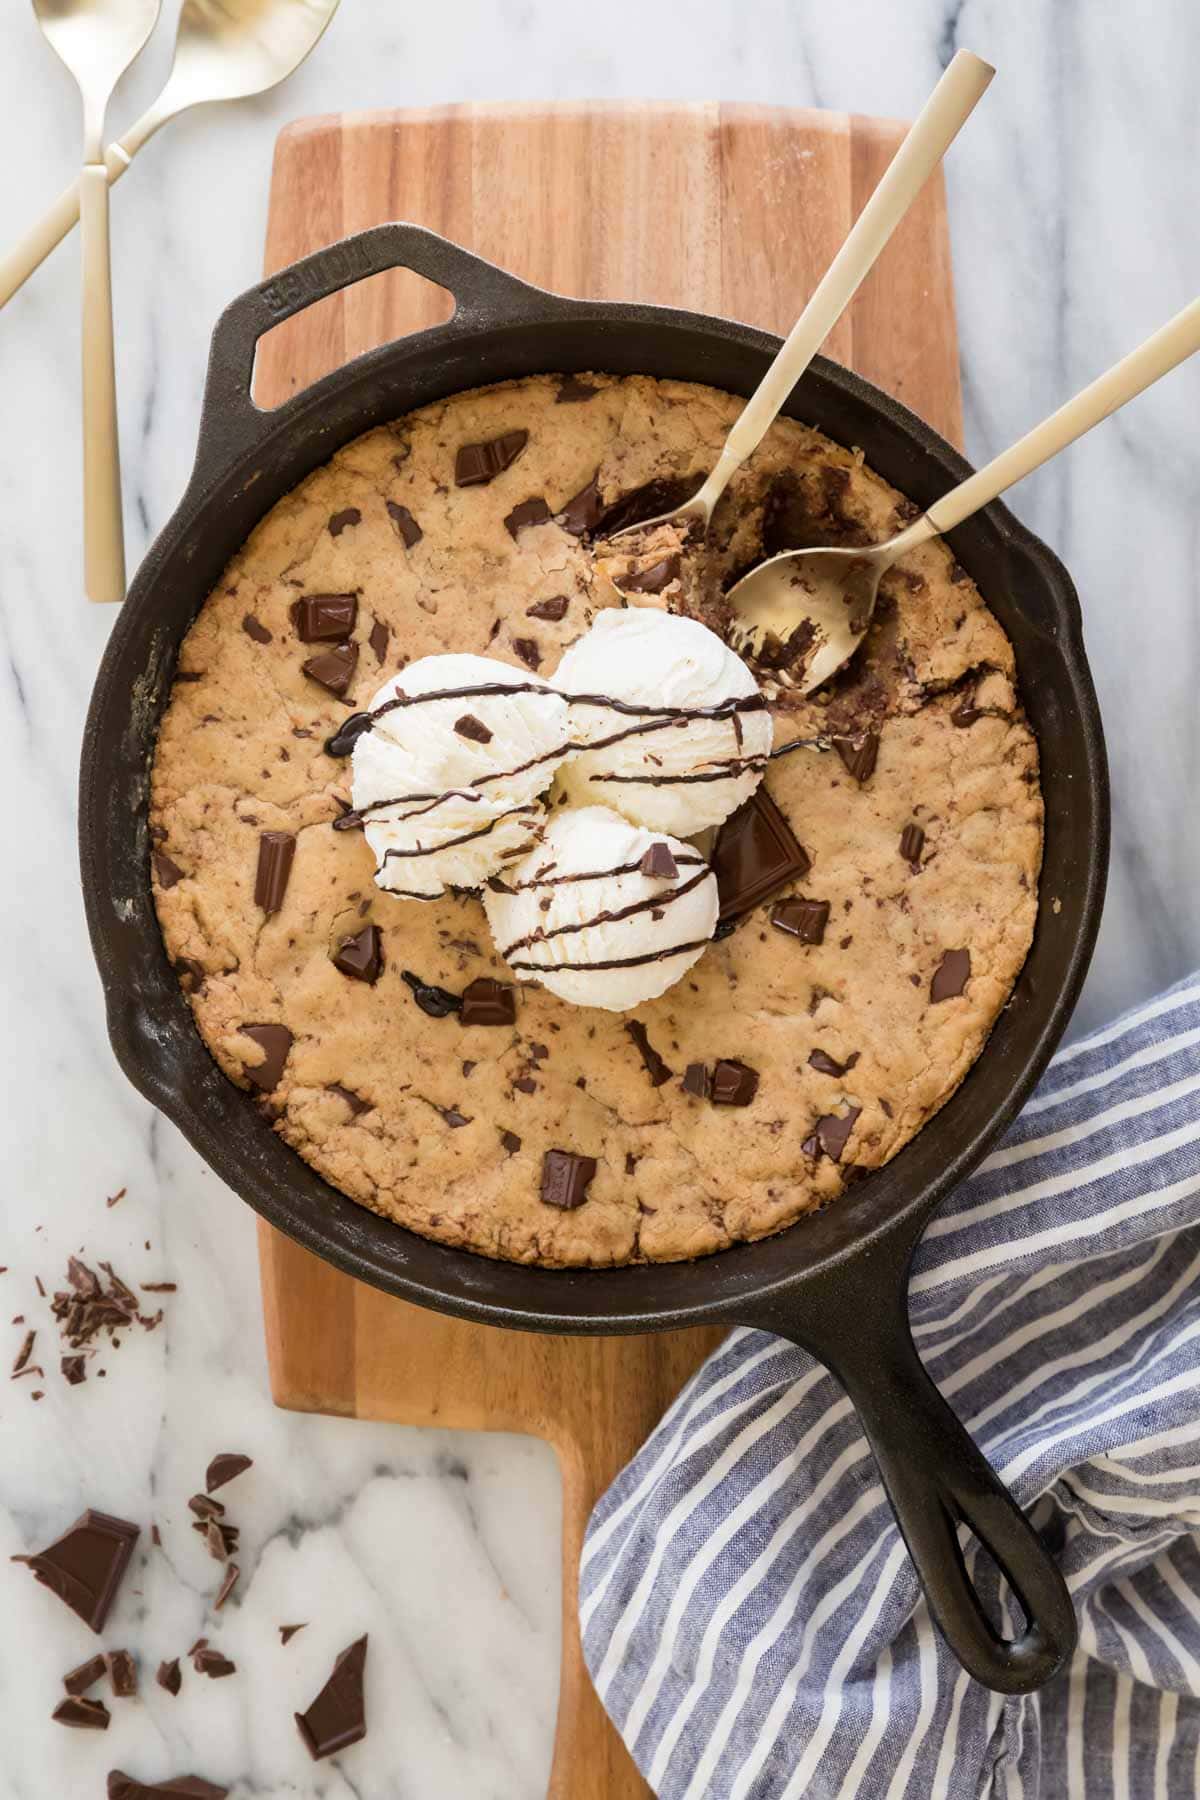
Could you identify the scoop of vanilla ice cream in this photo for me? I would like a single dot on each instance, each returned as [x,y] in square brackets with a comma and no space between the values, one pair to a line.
[611,936]
[663,764]
[446,780]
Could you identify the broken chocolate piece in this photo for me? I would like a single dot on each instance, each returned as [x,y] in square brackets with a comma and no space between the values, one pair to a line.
[379,638]
[912,842]
[361,955]
[488,1002]
[658,864]
[477,464]
[276,853]
[337,1717]
[405,524]
[697,1080]
[210,1662]
[583,510]
[571,391]
[214,1534]
[333,669]
[733,1083]
[85,1566]
[653,578]
[288,1632]
[859,754]
[435,1001]
[338,521]
[227,1586]
[79,1680]
[183,1787]
[830,1134]
[205,1507]
[473,729]
[828,1065]
[528,651]
[169,1676]
[324,618]
[528,512]
[565,1178]
[254,628]
[274,1041]
[755,853]
[226,1467]
[25,1352]
[122,1673]
[168,871]
[656,1068]
[951,976]
[81,1714]
[804,919]
[553,609]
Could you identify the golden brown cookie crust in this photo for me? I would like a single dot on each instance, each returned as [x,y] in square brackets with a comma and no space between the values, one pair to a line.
[373,1089]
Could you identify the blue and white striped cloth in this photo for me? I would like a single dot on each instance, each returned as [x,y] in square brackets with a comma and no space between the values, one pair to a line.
[749,1613]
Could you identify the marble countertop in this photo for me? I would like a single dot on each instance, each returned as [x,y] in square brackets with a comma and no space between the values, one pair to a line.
[1074,232]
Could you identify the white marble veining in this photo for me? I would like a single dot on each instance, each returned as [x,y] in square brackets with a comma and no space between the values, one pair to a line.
[1073,210]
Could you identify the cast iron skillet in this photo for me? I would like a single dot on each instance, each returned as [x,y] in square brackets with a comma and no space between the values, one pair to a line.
[834,1283]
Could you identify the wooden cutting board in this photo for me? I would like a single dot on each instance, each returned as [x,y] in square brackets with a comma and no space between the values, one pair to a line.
[724,209]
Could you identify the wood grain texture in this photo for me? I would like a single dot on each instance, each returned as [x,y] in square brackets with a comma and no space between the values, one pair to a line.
[724,209]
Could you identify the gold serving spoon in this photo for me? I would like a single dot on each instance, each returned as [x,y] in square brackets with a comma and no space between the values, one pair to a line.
[928,138]
[821,601]
[97,40]
[224,50]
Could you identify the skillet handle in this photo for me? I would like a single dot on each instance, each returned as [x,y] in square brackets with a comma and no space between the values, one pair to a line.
[231,423]
[936,1478]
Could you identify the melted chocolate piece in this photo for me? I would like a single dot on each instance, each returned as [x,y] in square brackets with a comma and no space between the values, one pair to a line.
[511,1142]
[354,1101]
[361,956]
[333,669]
[803,919]
[640,504]
[122,1672]
[183,1787]
[733,1083]
[652,579]
[951,976]
[168,871]
[347,734]
[912,842]
[405,524]
[86,1565]
[488,1002]
[79,1680]
[656,1068]
[565,1179]
[697,1080]
[553,609]
[474,729]
[254,628]
[477,464]
[379,638]
[859,754]
[324,618]
[169,1677]
[226,1466]
[435,1001]
[658,864]
[338,521]
[583,510]
[755,853]
[276,853]
[528,651]
[274,1041]
[81,1714]
[533,511]
[337,1717]
[830,1134]
[572,391]
[828,1065]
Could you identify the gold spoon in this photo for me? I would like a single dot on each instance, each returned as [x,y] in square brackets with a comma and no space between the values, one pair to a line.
[97,40]
[224,50]
[928,138]
[821,601]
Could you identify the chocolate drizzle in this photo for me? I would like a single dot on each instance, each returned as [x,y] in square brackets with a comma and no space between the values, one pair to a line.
[467,837]
[653,902]
[616,962]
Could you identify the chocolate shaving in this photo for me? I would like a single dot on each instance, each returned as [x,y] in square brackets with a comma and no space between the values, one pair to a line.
[227,1586]
[406,525]
[655,1067]
[337,1717]
[565,1178]
[25,1352]
[477,464]
[205,1507]
[951,976]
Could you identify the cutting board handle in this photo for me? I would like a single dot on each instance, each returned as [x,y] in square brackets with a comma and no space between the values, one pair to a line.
[230,421]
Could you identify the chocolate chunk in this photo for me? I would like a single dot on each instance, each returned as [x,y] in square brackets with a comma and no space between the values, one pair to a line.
[804,919]
[210,1662]
[755,853]
[830,1134]
[227,1586]
[337,1717]
[638,505]
[79,1680]
[122,1672]
[472,728]
[274,1041]
[205,1507]
[652,579]
[525,1084]
[859,754]
[912,842]
[658,864]
[405,524]
[168,871]
[183,1787]
[828,1065]
[276,852]
[528,651]
[224,1468]
[333,669]
[324,618]
[361,956]
[571,391]
[477,464]
[254,628]
[354,1101]
[553,609]
[733,1083]
[435,1001]
[453,1117]
[81,1714]
[288,1632]
[169,1676]
[656,1068]
[488,1002]
[583,510]
[338,521]
[529,512]
[379,638]
[511,1142]
[85,1566]
[697,1080]
[565,1178]
[951,976]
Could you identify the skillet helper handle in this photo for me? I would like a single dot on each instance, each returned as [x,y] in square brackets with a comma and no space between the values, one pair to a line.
[231,422]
